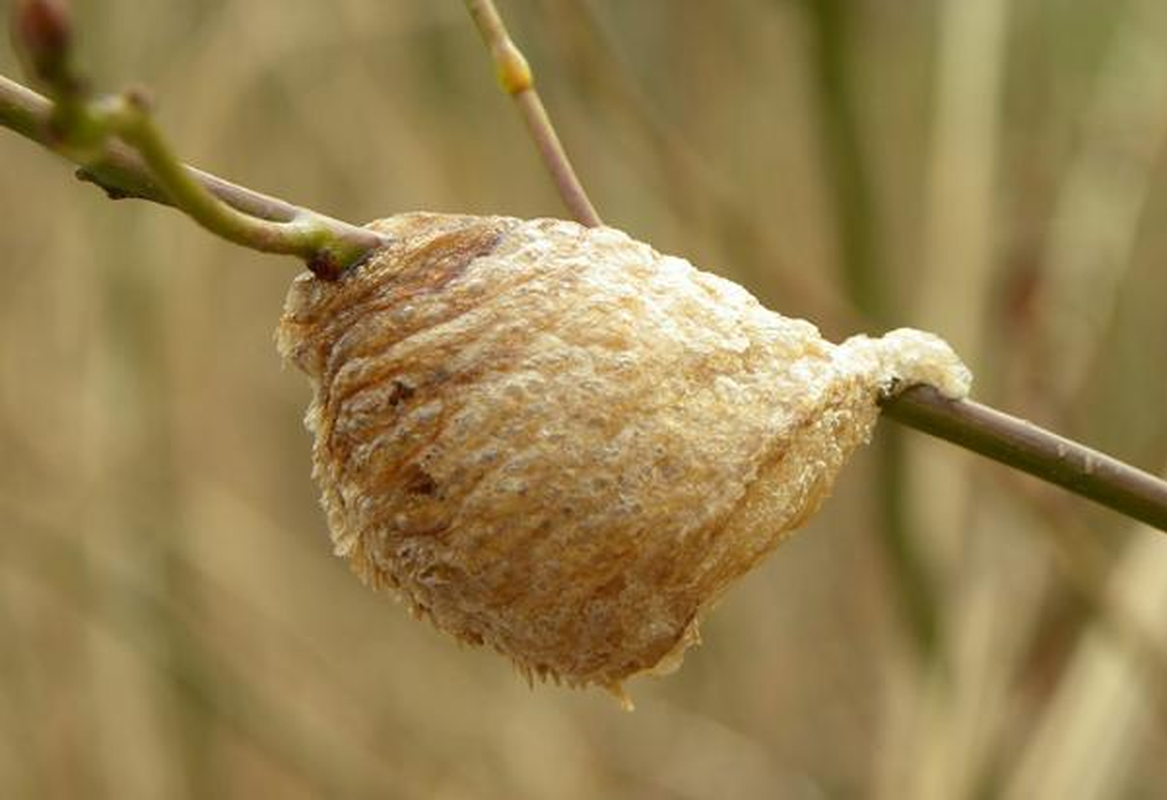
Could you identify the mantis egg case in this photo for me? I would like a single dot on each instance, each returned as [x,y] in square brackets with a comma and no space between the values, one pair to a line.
[557,442]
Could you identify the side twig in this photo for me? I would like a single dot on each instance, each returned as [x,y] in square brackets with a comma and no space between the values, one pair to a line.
[517,80]
[118,147]
[1029,448]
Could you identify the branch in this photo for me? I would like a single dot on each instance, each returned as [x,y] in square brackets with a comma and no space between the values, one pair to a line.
[274,225]
[118,147]
[1024,446]
[516,79]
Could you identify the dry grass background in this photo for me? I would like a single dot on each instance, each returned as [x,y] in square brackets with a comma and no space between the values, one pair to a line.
[173,622]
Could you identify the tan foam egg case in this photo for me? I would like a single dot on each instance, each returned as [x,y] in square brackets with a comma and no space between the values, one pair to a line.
[557,442]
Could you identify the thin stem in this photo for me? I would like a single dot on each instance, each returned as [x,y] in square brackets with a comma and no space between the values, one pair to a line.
[1029,448]
[328,243]
[516,79]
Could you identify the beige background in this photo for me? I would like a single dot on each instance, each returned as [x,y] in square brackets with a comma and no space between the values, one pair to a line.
[173,623]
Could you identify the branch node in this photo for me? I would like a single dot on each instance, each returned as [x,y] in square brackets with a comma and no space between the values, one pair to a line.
[514,73]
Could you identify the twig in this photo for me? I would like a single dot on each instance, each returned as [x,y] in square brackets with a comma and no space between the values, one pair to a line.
[517,80]
[1024,446]
[121,173]
[970,425]
[120,149]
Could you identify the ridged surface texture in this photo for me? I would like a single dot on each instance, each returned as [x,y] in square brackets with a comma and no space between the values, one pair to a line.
[560,443]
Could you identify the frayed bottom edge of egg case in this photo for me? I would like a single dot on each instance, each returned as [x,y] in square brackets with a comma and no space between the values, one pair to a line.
[900,359]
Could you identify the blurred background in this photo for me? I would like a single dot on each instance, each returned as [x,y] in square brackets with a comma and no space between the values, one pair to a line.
[173,621]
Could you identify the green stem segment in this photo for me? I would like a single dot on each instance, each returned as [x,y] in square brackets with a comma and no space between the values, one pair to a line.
[1029,448]
[128,117]
[516,79]
[141,165]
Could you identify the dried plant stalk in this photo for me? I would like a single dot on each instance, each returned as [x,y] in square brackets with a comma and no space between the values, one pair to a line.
[558,442]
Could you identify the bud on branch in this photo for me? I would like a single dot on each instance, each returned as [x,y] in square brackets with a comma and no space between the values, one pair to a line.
[43,32]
